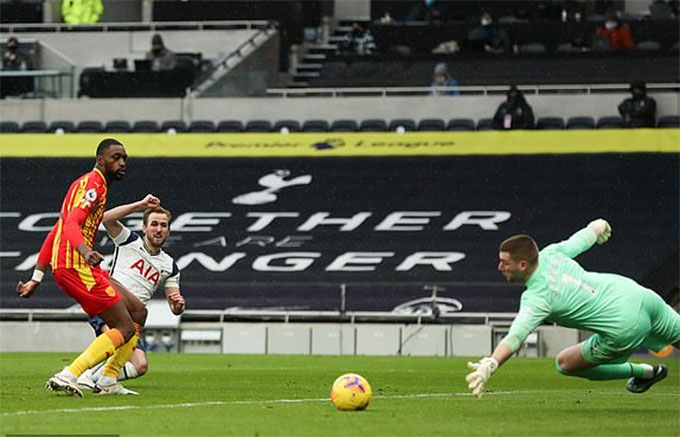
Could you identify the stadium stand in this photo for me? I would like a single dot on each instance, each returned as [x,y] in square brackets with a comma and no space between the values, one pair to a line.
[431,124]
[544,123]
[403,123]
[227,126]
[580,123]
[9,127]
[177,126]
[669,121]
[34,127]
[90,126]
[66,126]
[460,124]
[201,126]
[290,125]
[315,126]
[261,126]
[344,126]
[120,126]
[145,126]
[610,122]
[373,125]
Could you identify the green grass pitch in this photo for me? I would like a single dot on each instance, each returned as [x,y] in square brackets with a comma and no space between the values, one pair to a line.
[260,395]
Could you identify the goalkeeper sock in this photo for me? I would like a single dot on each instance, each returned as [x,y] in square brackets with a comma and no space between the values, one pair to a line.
[103,346]
[604,372]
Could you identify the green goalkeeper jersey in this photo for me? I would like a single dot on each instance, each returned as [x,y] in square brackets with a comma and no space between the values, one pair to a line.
[561,291]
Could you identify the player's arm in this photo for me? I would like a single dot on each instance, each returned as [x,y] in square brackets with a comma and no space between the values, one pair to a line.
[532,313]
[173,293]
[26,289]
[112,217]
[598,231]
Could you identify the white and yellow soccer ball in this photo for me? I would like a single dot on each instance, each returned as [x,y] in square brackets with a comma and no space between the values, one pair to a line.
[351,392]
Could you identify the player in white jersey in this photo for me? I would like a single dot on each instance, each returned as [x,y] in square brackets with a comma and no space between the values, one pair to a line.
[140,266]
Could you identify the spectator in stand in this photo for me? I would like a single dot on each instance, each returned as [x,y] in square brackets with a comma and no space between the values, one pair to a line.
[161,58]
[620,37]
[359,41]
[442,78]
[13,58]
[638,110]
[514,113]
[489,37]
[424,11]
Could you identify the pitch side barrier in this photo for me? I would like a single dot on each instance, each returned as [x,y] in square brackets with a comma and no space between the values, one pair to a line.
[272,226]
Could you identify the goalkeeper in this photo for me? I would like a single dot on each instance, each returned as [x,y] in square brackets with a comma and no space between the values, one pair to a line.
[623,314]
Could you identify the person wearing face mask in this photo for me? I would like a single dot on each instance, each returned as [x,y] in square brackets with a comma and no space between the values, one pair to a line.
[359,41]
[514,113]
[12,58]
[488,37]
[161,58]
[442,78]
[638,110]
[620,37]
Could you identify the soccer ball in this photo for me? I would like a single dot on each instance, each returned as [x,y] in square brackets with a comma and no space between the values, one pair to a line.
[351,392]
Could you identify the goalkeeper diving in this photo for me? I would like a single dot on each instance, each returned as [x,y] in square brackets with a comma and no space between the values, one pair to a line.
[622,314]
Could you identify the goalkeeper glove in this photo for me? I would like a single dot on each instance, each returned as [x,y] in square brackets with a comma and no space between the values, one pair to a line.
[601,229]
[482,371]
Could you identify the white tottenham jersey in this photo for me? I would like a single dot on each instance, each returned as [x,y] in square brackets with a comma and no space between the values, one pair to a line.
[140,271]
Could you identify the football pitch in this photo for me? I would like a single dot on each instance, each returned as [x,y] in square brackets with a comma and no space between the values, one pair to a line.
[259,395]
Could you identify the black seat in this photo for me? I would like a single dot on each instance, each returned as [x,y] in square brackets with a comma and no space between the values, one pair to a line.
[669,121]
[431,125]
[230,126]
[178,126]
[90,127]
[344,126]
[581,123]
[485,124]
[64,125]
[315,126]
[258,126]
[648,45]
[9,127]
[373,125]
[118,126]
[461,124]
[201,126]
[34,127]
[610,122]
[407,124]
[550,123]
[145,126]
[291,125]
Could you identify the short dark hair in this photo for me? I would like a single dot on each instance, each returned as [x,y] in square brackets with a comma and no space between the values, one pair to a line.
[158,209]
[105,144]
[521,247]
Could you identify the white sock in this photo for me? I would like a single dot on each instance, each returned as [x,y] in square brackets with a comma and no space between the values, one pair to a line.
[97,371]
[129,371]
[649,371]
[106,381]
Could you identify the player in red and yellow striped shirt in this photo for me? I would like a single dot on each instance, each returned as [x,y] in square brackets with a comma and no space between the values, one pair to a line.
[68,248]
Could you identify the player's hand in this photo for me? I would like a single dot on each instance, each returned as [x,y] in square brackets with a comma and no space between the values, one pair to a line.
[150,201]
[93,258]
[481,372]
[177,303]
[602,229]
[25,290]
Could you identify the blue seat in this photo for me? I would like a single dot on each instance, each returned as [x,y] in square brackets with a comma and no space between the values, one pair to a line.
[34,127]
[344,126]
[145,126]
[90,127]
[261,126]
[461,124]
[405,123]
[65,126]
[120,126]
[581,123]
[201,126]
[315,126]
[431,125]
[550,123]
[373,125]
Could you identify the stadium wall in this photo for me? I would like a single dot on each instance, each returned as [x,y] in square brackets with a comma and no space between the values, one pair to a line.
[357,108]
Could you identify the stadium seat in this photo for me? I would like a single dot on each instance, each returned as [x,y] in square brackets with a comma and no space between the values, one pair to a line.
[581,123]
[405,123]
[550,123]
[461,124]
[315,126]
[145,126]
[669,121]
[65,126]
[9,127]
[118,126]
[34,127]
[90,127]
[648,45]
[431,125]
[610,122]
[258,126]
[201,126]
[567,47]
[485,124]
[230,126]
[344,126]
[174,125]
[291,125]
[534,47]
[373,125]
